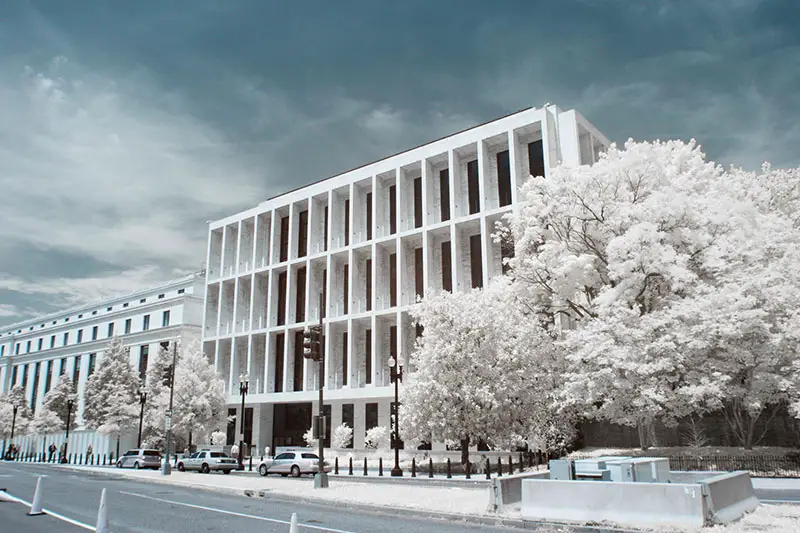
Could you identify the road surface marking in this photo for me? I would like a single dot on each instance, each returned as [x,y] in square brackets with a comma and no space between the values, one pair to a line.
[234,513]
[56,515]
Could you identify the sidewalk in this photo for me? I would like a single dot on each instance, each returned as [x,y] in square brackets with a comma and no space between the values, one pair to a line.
[466,501]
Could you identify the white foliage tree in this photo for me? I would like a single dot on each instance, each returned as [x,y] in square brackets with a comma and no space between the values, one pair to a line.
[483,370]
[674,271]
[342,436]
[218,438]
[308,437]
[58,398]
[16,397]
[378,438]
[199,402]
[45,422]
[111,393]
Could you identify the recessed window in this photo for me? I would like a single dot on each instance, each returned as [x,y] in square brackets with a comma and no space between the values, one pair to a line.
[110,329]
[109,308]
[80,316]
[28,347]
[66,319]
[54,322]
[40,344]
[127,326]
[94,313]
[80,336]
[160,296]
[143,300]
[41,326]
[181,291]
[125,304]
[30,328]
[52,341]
[66,339]
[145,322]
[165,319]
[94,333]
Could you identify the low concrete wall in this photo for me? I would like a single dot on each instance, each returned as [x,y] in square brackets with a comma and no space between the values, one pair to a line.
[729,496]
[507,490]
[635,504]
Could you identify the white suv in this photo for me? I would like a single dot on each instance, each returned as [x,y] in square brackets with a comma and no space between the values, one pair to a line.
[140,458]
[294,463]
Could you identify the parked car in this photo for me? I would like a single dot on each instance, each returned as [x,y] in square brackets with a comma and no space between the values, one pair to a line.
[294,463]
[207,461]
[140,458]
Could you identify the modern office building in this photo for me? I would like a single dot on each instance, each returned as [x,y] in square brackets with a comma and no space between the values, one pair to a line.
[36,352]
[370,241]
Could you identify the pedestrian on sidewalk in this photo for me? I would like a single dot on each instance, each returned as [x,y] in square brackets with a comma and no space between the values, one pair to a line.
[52,449]
[235,451]
[266,451]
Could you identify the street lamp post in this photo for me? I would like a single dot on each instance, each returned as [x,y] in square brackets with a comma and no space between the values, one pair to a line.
[142,401]
[244,384]
[166,468]
[396,376]
[64,459]
[13,423]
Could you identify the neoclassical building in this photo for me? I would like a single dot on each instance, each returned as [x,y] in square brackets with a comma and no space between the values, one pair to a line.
[36,352]
[370,241]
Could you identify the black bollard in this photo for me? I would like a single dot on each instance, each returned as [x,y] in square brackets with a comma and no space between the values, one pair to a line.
[510,465]
[521,464]
[449,472]
[488,469]
[350,470]
[430,467]
[413,467]
[499,467]
[365,466]
[380,466]
[336,466]
[469,468]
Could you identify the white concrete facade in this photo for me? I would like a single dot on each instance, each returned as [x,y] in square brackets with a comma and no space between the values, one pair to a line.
[36,352]
[268,265]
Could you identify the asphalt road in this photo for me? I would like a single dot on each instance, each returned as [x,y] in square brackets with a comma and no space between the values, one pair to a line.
[141,507]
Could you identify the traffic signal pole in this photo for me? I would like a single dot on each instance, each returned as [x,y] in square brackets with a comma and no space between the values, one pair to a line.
[314,349]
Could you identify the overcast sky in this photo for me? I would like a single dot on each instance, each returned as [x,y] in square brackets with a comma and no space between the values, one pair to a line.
[123,130]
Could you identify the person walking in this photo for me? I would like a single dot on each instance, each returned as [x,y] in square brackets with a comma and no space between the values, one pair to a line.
[52,449]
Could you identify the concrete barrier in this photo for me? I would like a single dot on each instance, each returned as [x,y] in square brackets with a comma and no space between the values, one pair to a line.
[729,496]
[507,490]
[634,504]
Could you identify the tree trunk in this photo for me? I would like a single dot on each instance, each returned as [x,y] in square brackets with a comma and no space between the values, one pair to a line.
[464,450]
[190,441]
[642,428]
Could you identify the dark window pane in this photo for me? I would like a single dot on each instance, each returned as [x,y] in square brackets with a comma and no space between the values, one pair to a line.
[282,298]
[418,202]
[298,361]
[392,280]
[284,249]
[302,237]
[473,188]
[392,209]
[368,268]
[300,305]
[444,193]
[347,222]
[325,233]
[279,343]
[368,208]
[447,267]
[346,289]
[536,158]
[345,369]
[503,178]
[368,356]
[371,415]
[419,279]
[476,267]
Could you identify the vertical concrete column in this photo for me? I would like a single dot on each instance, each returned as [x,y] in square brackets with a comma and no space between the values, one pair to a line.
[513,161]
[455,185]
[328,377]
[426,219]
[483,173]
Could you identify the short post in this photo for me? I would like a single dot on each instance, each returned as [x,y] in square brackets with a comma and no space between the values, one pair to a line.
[350,471]
[380,466]
[499,467]
[251,463]
[488,469]
[510,465]
[469,467]
[430,467]
[521,464]
[104,460]
[336,466]
[365,466]
[530,459]
[413,467]
[449,473]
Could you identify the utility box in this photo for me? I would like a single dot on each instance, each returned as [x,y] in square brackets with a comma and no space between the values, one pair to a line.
[642,469]
[562,469]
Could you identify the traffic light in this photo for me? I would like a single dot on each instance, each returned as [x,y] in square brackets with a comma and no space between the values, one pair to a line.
[312,343]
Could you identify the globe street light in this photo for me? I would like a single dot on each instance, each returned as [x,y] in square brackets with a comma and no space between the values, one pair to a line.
[243,387]
[142,401]
[396,376]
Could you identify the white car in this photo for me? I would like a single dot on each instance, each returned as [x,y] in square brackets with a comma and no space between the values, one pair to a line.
[292,463]
[206,461]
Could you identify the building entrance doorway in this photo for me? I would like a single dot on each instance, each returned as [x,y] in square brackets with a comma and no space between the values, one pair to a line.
[289,424]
